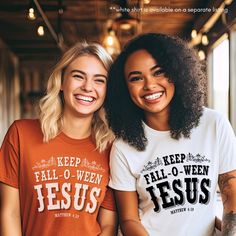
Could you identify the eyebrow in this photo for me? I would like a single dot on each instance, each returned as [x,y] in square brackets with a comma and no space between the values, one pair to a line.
[139,72]
[154,67]
[134,73]
[82,72]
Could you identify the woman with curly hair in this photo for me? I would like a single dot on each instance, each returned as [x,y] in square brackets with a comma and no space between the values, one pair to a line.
[171,151]
[54,170]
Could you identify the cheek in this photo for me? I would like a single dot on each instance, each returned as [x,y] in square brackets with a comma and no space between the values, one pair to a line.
[67,88]
[66,84]
[102,91]
[171,89]
[133,91]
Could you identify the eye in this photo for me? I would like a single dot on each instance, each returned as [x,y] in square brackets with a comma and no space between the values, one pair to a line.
[135,78]
[159,73]
[77,76]
[100,81]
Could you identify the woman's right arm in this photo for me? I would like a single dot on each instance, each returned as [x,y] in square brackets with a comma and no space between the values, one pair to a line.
[9,211]
[127,205]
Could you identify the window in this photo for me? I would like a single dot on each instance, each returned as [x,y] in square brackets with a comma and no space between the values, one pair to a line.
[220,96]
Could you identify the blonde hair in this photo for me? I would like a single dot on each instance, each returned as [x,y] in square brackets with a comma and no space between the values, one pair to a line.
[51,105]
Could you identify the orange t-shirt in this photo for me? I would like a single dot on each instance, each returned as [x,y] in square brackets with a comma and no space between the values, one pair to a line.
[62,184]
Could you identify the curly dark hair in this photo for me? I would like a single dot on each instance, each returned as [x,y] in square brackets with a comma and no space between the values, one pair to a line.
[181,66]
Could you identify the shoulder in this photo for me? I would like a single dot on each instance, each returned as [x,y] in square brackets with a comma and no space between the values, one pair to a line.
[122,148]
[121,145]
[217,121]
[212,116]
[26,127]
[22,130]
[211,113]
[26,124]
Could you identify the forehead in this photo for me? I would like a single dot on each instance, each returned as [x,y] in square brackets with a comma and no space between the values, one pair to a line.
[86,62]
[139,60]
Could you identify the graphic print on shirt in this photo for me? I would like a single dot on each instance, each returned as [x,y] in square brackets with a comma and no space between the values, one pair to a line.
[64,183]
[177,182]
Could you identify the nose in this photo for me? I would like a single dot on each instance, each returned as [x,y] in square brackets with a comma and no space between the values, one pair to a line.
[87,86]
[149,84]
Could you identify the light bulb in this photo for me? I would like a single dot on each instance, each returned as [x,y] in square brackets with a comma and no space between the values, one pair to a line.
[125,26]
[201,55]
[111,43]
[31,14]
[40,30]
[205,40]
[194,33]
[110,40]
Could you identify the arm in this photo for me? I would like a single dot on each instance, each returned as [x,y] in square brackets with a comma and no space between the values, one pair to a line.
[127,205]
[227,184]
[10,211]
[108,222]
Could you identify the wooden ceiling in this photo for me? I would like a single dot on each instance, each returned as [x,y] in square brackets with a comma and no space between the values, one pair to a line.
[88,20]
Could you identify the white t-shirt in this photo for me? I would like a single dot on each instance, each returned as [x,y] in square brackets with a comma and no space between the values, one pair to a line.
[176,180]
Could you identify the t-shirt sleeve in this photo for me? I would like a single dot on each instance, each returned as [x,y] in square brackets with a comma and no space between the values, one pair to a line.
[121,177]
[109,200]
[9,158]
[227,146]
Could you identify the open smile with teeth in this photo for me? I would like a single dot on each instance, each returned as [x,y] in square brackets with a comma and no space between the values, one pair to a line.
[153,96]
[84,98]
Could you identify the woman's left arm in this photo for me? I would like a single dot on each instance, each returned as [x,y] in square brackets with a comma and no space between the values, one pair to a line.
[227,185]
[108,222]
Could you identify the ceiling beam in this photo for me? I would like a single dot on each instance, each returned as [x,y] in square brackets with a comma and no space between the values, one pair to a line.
[9,7]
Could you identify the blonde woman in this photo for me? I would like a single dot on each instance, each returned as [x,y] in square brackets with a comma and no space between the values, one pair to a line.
[54,171]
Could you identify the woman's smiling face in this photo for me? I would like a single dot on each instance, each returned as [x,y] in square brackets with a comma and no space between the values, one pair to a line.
[84,85]
[149,89]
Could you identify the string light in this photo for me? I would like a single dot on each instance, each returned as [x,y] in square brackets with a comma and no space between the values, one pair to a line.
[40,30]
[31,14]
[205,40]
[194,33]
[201,55]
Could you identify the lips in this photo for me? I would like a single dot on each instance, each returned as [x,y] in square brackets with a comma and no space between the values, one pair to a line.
[83,98]
[153,96]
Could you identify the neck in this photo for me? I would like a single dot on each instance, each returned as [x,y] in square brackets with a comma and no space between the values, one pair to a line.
[77,128]
[158,122]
